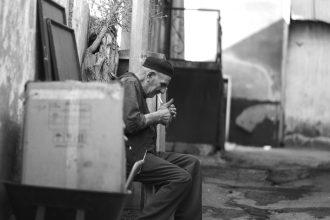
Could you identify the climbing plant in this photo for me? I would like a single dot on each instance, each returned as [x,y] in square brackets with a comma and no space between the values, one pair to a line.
[101,56]
[111,13]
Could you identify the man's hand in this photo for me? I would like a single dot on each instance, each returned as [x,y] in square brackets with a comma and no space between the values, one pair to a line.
[169,105]
[165,116]
[172,109]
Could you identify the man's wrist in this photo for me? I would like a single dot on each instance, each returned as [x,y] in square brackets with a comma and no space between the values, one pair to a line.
[153,118]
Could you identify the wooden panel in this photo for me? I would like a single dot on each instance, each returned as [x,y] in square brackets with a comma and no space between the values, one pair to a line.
[139,35]
[52,10]
[64,51]
[202,89]
[62,203]
[161,131]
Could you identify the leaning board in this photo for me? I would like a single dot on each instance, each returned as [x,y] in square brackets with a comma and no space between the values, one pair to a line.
[54,11]
[64,51]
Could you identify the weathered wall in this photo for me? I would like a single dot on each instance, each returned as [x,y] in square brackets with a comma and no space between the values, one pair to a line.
[80,21]
[17,65]
[177,31]
[252,37]
[252,56]
[307,97]
[310,10]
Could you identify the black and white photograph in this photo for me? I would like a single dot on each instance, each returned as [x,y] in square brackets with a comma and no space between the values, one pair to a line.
[164,109]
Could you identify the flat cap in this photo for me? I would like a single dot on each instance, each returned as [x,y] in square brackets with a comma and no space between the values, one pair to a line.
[160,65]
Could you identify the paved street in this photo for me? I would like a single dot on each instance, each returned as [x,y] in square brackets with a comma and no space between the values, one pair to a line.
[253,183]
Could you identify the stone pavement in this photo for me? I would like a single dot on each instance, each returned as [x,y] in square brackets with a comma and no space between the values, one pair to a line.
[257,183]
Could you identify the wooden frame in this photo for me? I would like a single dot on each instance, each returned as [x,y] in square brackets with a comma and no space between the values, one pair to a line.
[43,13]
[217,58]
[65,64]
[31,202]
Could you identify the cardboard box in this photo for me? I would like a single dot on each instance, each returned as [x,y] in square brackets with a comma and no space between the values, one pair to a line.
[73,136]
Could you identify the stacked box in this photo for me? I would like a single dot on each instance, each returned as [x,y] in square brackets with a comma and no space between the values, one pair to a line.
[73,136]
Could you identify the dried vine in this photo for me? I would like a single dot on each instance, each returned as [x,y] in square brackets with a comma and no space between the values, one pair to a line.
[101,57]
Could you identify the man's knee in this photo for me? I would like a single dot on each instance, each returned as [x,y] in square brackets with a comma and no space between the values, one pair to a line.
[195,162]
[185,177]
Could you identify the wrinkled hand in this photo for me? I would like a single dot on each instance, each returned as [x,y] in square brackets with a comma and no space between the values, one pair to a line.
[167,104]
[172,110]
[165,116]
[170,106]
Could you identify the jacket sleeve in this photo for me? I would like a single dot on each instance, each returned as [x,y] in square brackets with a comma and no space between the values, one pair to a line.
[134,119]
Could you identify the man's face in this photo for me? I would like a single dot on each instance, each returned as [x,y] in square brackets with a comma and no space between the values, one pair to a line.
[156,83]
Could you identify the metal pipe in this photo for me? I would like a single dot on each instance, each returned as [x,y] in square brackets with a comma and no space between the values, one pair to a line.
[228,105]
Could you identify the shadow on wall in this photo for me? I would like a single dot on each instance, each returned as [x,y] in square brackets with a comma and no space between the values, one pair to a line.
[307,134]
[9,164]
[10,133]
[254,65]
[254,123]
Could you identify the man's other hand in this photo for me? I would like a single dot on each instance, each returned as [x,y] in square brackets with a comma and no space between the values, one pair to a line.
[165,116]
[169,105]
[172,109]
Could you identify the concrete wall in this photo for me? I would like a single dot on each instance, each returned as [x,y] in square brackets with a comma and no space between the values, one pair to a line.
[252,37]
[18,64]
[310,10]
[307,97]
[80,22]
[252,55]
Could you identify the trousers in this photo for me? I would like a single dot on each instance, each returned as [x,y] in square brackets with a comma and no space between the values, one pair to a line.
[178,183]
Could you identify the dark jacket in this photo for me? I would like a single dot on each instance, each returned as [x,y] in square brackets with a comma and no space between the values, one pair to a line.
[141,137]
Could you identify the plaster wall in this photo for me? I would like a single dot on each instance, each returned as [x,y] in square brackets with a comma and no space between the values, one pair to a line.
[17,66]
[252,39]
[307,98]
[80,22]
[252,56]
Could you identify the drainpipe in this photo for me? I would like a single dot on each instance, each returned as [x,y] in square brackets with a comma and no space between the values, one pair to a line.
[227,80]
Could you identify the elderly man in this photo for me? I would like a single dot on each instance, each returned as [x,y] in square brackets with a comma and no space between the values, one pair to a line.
[176,177]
